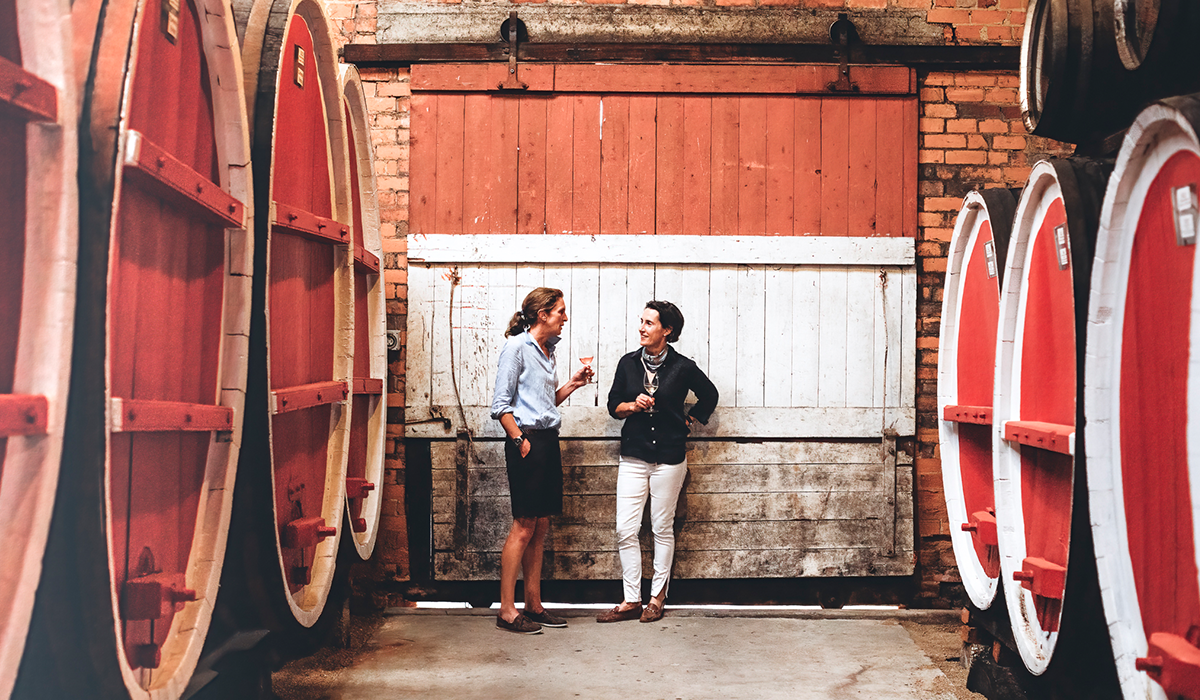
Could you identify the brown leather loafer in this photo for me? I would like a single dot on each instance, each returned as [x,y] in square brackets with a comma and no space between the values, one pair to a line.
[652,613]
[520,624]
[617,614]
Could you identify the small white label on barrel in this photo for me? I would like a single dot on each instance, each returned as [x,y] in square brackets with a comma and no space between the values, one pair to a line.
[170,19]
[1185,206]
[989,253]
[1060,243]
[299,65]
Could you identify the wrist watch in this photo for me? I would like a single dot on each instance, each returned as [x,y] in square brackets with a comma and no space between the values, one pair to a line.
[518,440]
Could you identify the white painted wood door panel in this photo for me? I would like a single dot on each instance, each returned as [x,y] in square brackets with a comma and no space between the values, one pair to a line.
[795,350]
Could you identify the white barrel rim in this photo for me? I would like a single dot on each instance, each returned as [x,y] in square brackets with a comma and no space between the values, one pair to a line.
[1159,133]
[981,588]
[359,131]
[1034,645]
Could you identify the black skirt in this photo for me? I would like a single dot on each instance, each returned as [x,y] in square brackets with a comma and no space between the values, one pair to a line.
[535,482]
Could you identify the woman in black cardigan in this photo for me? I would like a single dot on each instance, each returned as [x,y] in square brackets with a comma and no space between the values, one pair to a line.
[653,451]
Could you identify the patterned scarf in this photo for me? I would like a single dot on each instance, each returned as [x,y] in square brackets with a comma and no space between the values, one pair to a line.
[653,362]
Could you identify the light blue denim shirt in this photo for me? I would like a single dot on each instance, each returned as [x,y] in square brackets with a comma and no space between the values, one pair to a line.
[526,383]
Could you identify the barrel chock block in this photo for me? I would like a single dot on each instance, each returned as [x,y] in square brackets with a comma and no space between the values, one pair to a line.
[305,532]
[1174,663]
[154,597]
[357,487]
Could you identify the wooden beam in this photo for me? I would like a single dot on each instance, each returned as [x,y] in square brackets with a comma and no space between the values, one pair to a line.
[167,177]
[992,57]
[295,398]
[25,95]
[139,416]
[289,219]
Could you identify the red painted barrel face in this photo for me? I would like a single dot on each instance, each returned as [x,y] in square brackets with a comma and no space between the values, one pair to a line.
[1154,380]
[976,356]
[1048,393]
[300,297]
[166,301]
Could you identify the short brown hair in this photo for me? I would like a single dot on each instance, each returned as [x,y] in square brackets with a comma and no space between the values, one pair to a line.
[669,316]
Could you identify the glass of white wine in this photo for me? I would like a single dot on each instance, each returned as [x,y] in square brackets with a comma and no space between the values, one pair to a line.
[650,384]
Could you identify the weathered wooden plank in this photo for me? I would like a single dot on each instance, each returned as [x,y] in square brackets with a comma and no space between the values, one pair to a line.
[418,391]
[777,344]
[669,173]
[560,157]
[806,336]
[780,161]
[585,213]
[639,290]
[664,77]
[502,303]
[909,178]
[481,163]
[614,164]
[701,454]
[668,284]
[835,155]
[642,145]
[422,172]
[694,304]
[797,422]
[888,334]
[751,336]
[807,172]
[559,277]
[697,164]
[863,165]
[908,345]
[689,250]
[450,160]
[584,328]
[861,345]
[688,565]
[752,166]
[505,129]
[443,388]
[531,166]
[476,337]
[492,480]
[709,507]
[785,537]
[832,363]
[722,339]
[724,189]
[529,277]
[613,327]
[889,146]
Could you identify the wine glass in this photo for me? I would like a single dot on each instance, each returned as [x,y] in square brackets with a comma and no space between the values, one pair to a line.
[587,362]
[650,384]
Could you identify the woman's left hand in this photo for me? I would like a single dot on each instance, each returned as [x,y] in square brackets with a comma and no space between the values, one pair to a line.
[583,375]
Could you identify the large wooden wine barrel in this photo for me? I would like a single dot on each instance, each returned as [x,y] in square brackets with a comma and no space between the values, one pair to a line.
[1157,38]
[1142,398]
[970,306]
[1073,85]
[1041,511]
[160,360]
[37,295]
[304,313]
[368,426]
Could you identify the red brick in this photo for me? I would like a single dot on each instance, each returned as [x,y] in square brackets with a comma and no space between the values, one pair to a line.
[993,126]
[966,157]
[961,126]
[948,16]
[970,33]
[942,203]
[997,158]
[932,94]
[939,79]
[1008,143]
[926,218]
[945,141]
[957,94]
[941,111]
[977,142]
[930,157]
[928,126]
[934,265]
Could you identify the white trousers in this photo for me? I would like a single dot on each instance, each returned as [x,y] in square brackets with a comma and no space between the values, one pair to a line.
[662,482]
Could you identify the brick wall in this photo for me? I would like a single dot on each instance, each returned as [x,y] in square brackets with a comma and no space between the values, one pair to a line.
[971,136]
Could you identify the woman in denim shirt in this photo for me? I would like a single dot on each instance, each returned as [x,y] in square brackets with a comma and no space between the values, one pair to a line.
[526,404]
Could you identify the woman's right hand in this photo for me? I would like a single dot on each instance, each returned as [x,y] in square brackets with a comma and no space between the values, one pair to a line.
[643,402]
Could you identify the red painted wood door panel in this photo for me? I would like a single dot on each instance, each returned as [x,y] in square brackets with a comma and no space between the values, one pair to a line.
[620,149]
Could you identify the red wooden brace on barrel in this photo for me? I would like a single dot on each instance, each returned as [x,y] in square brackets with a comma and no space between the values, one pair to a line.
[1047,581]
[358,487]
[305,532]
[982,527]
[1174,662]
[153,597]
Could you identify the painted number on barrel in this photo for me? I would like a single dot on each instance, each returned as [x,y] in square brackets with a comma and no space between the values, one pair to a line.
[299,65]
[1060,242]
[170,19]
[1185,214]
[989,253]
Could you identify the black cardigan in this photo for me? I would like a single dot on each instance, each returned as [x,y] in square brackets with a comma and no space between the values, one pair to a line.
[659,438]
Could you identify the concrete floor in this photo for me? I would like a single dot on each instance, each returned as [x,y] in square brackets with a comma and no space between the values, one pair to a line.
[816,655]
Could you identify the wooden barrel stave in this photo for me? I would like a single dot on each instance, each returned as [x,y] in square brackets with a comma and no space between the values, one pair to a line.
[364,471]
[37,285]
[1143,482]
[1041,512]
[970,306]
